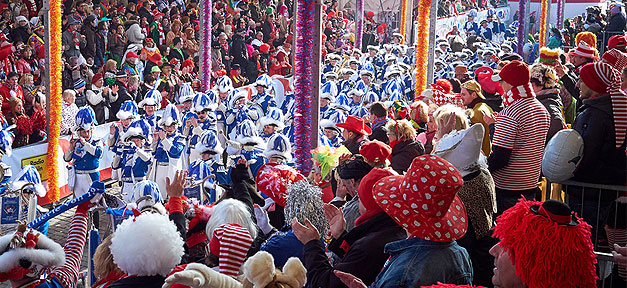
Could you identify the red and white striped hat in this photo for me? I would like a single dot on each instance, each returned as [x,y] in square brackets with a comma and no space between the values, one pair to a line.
[602,78]
[585,50]
[230,242]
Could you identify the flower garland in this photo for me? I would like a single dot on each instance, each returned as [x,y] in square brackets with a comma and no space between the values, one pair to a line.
[422,45]
[55,100]
[303,83]
[543,18]
[206,45]
[521,26]
[560,14]
[359,24]
[403,18]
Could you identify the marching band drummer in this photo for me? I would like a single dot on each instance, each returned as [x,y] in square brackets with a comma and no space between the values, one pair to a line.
[168,147]
[84,151]
[134,160]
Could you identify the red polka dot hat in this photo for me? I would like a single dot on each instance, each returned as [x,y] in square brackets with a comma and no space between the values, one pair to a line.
[424,201]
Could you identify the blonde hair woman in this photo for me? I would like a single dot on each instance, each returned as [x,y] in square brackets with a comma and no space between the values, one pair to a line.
[104,268]
[404,145]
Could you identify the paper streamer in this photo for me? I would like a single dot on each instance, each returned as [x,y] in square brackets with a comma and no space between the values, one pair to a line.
[543,17]
[403,19]
[521,26]
[66,206]
[422,45]
[303,83]
[206,45]
[359,24]
[55,100]
[560,14]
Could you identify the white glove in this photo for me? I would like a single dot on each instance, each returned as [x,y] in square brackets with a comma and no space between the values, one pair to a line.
[262,220]
[198,275]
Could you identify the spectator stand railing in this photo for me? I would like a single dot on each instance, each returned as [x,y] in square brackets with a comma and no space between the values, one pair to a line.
[597,204]
[602,41]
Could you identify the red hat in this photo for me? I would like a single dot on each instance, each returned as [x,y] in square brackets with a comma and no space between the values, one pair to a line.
[273,180]
[155,58]
[585,50]
[188,63]
[484,78]
[370,14]
[156,13]
[355,124]
[364,191]
[515,73]
[230,242]
[617,41]
[331,14]
[131,54]
[547,244]
[602,78]
[174,61]
[375,151]
[381,28]
[424,201]
[96,77]
[444,85]
[264,48]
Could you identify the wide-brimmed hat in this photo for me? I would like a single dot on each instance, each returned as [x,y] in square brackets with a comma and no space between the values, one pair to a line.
[425,201]
[355,124]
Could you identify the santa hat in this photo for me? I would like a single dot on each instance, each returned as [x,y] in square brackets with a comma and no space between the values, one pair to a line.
[548,245]
[602,78]
[230,242]
[147,245]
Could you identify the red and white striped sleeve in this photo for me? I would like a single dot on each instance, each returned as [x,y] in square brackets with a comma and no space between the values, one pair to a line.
[74,245]
[505,131]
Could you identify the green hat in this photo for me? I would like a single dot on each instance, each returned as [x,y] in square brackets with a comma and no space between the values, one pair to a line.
[269,10]
[155,69]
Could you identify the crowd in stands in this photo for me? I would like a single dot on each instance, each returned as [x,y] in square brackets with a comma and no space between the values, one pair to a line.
[431,188]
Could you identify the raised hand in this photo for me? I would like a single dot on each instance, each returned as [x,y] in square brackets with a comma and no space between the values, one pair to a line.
[175,187]
[337,223]
[305,233]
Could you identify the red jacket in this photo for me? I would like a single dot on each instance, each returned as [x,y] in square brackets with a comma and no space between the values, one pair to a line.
[6,94]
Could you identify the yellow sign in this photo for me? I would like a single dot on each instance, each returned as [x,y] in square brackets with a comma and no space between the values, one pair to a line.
[40,162]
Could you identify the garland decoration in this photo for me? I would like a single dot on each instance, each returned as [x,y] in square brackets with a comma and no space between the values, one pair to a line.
[359,24]
[403,27]
[422,45]
[303,83]
[560,14]
[521,26]
[55,100]
[543,18]
[206,45]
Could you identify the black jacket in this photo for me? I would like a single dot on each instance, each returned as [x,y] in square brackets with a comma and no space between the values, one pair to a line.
[551,100]
[239,51]
[139,281]
[602,163]
[380,133]
[122,96]
[404,153]
[365,257]
[617,23]
[90,38]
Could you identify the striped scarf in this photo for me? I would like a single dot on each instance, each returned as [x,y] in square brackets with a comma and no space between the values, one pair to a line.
[379,122]
[517,93]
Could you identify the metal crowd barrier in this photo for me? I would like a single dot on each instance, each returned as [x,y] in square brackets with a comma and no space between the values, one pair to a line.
[597,204]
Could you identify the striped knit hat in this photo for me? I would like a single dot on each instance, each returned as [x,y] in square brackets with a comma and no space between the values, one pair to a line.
[585,50]
[230,242]
[516,74]
[549,56]
[602,78]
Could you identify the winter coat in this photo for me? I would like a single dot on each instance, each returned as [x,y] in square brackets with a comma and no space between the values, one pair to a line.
[361,251]
[139,281]
[121,97]
[90,38]
[67,40]
[553,103]
[602,163]
[239,51]
[134,34]
[117,45]
[403,153]
[283,245]
[617,23]
[380,133]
